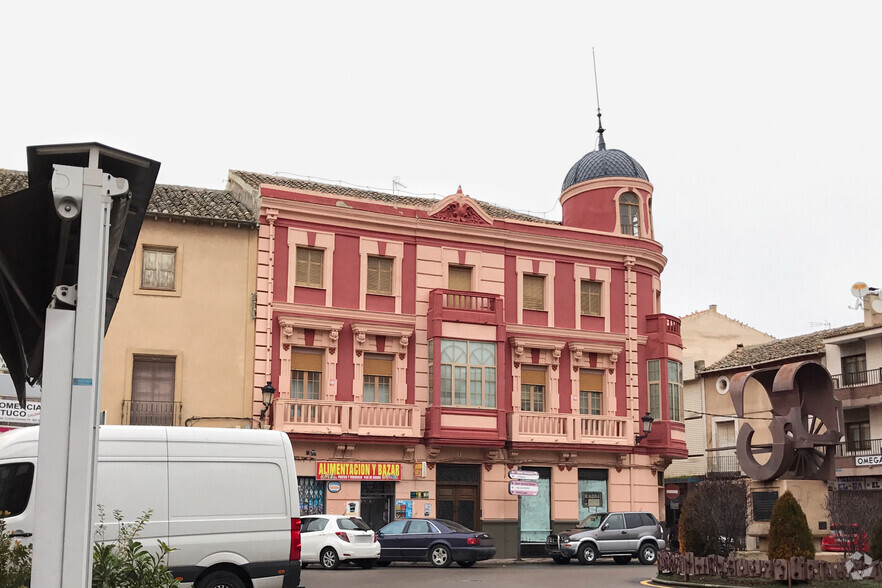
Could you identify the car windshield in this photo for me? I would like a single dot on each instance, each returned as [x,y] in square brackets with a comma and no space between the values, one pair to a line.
[592,521]
[352,524]
[455,527]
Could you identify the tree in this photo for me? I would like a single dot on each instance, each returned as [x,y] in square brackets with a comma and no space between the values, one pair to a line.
[876,540]
[714,517]
[852,513]
[789,533]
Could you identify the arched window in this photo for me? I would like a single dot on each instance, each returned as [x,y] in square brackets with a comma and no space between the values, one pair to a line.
[629,212]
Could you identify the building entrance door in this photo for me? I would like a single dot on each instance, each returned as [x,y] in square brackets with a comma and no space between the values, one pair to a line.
[376,503]
[535,515]
[457,494]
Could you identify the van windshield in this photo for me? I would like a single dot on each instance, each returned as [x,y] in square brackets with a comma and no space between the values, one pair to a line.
[592,521]
[352,524]
[15,487]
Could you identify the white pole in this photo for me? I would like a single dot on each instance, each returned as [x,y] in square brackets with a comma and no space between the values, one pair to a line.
[83,389]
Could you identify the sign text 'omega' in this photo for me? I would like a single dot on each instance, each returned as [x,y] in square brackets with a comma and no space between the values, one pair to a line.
[328,470]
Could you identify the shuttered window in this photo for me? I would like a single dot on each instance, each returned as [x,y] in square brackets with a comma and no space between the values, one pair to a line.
[591,297]
[153,390]
[459,277]
[590,392]
[306,373]
[533,388]
[158,269]
[309,267]
[379,275]
[534,292]
[377,377]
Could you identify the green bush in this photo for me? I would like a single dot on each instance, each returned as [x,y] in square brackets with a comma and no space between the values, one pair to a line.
[125,563]
[15,560]
[789,533]
[876,540]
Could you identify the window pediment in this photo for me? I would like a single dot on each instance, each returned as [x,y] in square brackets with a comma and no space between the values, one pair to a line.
[460,208]
[327,332]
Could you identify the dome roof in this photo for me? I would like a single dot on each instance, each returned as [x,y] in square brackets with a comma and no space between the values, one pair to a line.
[604,163]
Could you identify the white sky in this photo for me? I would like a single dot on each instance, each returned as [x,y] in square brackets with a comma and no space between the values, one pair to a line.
[758,122]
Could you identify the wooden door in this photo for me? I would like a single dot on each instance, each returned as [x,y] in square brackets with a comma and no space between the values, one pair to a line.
[459,504]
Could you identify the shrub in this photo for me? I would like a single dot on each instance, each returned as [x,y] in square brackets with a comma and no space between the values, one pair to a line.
[713,520]
[855,510]
[125,563]
[15,560]
[876,540]
[789,533]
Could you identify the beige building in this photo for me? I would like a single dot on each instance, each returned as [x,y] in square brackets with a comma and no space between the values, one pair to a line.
[183,331]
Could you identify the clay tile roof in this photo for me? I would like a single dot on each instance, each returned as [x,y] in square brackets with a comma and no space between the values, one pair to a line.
[168,201]
[791,347]
[254,180]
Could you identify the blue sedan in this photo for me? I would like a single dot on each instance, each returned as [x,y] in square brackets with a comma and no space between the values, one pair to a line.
[437,541]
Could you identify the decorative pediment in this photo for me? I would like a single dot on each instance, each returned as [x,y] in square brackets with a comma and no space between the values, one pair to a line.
[607,355]
[460,208]
[399,337]
[294,332]
[519,344]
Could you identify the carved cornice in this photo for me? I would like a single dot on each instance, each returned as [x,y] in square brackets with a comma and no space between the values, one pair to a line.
[362,330]
[289,324]
[518,344]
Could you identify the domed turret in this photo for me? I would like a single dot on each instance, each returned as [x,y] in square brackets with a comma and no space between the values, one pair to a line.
[604,163]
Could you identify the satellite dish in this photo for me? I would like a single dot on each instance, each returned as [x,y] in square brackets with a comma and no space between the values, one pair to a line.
[859,289]
[877,306]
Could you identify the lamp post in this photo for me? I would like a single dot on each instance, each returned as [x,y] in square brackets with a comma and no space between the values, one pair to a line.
[646,422]
[268,392]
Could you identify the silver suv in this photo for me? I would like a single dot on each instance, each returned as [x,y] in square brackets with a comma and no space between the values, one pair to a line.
[622,535]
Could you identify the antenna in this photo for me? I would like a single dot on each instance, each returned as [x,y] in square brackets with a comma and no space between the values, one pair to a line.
[825,324]
[396,183]
[601,144]
[859,290]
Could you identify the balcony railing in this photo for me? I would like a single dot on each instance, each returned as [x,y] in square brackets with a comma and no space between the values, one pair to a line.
[722,464]
[854,379]
[864,447]
[149,412]
[545,427]
[465,306]
[666,326]
[337,418]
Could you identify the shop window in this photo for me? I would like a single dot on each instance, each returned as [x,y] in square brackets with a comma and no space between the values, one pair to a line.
[158,269]
[590,297]
[306,373]
[590,392]
[377,377]
[309,267]
[629,212]
[533,388]
[468,373]
[312,497]
[459,277]
[653,376]
[854,370]
[379,275]
[675,387]
[534,292]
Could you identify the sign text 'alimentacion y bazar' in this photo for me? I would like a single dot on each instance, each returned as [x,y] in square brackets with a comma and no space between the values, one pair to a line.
[328,470]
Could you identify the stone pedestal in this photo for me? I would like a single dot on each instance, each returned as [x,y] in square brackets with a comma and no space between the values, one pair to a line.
[811,495]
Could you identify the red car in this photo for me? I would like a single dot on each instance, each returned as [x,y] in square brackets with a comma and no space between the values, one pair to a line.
[843,538]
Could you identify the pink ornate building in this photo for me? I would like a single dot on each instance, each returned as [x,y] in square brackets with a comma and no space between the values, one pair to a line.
[444,344]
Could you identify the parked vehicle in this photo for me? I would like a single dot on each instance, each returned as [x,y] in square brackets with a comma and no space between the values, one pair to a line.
[225,500]
[844,539]
[437,541]
[620,535]
[330,539]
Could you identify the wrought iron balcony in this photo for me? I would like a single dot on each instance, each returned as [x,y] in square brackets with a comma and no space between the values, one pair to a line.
[722,463]
[151,412]
[861,447]
[855,379]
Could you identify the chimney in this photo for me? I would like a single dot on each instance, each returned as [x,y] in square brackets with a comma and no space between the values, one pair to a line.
[713,307]
[872,308]
[740,346]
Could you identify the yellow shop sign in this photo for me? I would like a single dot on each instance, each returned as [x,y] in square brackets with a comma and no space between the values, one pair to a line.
[329,470]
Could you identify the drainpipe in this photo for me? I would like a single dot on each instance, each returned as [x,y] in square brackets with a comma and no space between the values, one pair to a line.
[631,371]
[272,214]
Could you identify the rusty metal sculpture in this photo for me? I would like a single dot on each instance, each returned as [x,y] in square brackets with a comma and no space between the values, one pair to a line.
[806,423]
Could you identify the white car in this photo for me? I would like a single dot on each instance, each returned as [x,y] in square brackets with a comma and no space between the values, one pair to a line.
[330,539]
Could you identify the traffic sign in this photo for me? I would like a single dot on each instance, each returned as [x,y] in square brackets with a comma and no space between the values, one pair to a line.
[523,475]
[672,492]
[523,488]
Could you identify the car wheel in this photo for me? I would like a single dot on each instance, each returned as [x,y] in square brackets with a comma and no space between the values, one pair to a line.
[220,579]
[329,559]
[439,556]
[587,553]
[622,559]
[648,554]
[366,564]
[559,559]
[466,564]
[383,564]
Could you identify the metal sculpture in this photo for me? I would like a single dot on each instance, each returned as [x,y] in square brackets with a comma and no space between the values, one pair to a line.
[806,423]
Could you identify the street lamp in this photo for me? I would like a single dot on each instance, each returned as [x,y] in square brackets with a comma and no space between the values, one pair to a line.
[646,421]
[268,392]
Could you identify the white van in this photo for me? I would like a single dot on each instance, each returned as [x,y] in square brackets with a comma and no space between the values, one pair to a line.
[225,499]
